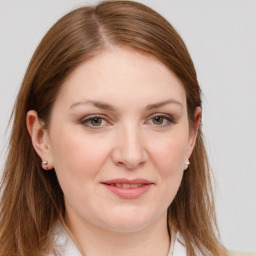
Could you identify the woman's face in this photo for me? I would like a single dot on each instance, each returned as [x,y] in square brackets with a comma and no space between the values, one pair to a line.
[118,140]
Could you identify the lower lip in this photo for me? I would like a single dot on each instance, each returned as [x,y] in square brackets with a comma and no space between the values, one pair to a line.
[129,193]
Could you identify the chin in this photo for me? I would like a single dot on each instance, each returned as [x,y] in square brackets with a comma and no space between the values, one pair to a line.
[128,223]
[126,227]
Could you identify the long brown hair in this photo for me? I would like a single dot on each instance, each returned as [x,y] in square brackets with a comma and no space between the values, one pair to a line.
[32,201]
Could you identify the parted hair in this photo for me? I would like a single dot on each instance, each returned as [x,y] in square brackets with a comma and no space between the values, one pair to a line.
[32,201]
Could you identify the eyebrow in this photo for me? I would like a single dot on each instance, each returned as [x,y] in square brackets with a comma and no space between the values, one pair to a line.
[97,104]
[106,106]
[163,103]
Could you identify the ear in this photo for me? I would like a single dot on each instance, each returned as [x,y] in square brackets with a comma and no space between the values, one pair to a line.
[39,137]
[194,131]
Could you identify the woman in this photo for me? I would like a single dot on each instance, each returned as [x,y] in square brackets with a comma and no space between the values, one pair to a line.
[106,154]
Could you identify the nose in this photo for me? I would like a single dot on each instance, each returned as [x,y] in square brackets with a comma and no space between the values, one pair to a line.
[129,150]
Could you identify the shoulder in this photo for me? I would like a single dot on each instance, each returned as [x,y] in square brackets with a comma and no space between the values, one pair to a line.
[178,247]
[233,253]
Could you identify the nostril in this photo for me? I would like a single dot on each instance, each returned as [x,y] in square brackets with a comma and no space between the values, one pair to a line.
[130,164]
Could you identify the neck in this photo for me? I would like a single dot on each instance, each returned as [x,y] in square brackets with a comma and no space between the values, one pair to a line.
[94,241]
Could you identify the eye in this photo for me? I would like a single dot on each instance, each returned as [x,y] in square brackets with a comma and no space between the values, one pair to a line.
[161,120]
[158,120]
[97,121]
[94,121]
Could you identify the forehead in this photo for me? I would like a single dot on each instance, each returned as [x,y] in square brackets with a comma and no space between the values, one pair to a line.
[120,73]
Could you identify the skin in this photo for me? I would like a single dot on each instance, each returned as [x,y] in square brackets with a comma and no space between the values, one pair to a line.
[141,131]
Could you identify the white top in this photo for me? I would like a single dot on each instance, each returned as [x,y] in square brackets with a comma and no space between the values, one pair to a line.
[64,245]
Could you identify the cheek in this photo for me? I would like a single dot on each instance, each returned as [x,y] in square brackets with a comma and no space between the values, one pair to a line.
[169,160]
[76,157]
[169,154]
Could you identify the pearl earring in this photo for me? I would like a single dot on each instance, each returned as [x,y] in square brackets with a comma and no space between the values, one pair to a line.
[187,163]
[45,165]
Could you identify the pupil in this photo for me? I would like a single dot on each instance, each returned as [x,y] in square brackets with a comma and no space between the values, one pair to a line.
[96,121]
[158,120]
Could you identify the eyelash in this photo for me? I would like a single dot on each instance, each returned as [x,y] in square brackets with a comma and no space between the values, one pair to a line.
[86,121]
[167,119]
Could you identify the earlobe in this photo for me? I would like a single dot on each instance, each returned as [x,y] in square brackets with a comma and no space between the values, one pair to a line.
[39,137]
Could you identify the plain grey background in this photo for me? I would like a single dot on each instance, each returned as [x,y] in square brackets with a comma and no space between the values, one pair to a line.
[221,37]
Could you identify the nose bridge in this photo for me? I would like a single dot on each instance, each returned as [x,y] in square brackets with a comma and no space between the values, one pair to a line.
[129,150]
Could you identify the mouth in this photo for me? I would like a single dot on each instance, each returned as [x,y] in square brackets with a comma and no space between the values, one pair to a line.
[125,185]
[128,189]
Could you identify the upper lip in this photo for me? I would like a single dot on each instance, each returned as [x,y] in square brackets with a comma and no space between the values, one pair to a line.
[127,181]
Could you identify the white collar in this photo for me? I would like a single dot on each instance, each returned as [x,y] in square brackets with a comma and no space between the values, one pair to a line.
[177,247]
[64,245]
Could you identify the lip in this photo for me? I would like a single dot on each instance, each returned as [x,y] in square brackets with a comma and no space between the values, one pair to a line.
[128,193]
